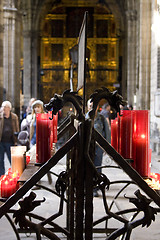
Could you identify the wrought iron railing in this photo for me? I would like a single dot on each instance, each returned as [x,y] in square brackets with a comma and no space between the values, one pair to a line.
[75,185]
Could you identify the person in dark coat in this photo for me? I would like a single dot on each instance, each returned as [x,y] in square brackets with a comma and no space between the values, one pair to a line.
[9,126]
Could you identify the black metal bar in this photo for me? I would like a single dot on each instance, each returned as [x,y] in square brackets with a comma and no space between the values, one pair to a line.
[85,65]
[71,155]
[71,193]
[88,181]
[65,122]
[68,127]
[80,185]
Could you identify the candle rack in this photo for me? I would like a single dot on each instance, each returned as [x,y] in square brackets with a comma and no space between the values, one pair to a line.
[75,185]
[130,137]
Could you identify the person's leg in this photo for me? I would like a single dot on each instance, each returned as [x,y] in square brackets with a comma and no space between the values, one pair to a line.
[97,162]
[2,150]
[98,157]
[8,150]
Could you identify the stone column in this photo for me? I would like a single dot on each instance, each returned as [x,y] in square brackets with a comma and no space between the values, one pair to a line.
[27,66]
[144,55]
[11,58]
[1,51]
[29,55]
[30,65]
[131,40]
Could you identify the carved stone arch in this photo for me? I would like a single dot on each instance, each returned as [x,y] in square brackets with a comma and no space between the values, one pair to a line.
[33,13]
[117,8]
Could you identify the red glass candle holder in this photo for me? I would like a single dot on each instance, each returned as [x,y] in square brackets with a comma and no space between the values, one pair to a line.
[114,133]
[43,139]
[50,129]
[55,122]
[126,129]
[6,189]
[9,185]
[150,158]
[119,138]
[141,142]
[53,128]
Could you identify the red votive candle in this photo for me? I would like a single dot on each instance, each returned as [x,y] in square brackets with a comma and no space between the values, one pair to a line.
[50,128]
[150,158]
[126,127]
[141,142]
[119,139]
[114,133]
[15,177]
[55,122]
[43,131]
[8,187]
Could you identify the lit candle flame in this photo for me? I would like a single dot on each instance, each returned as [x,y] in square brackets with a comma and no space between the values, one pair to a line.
[143,136]
[6,182]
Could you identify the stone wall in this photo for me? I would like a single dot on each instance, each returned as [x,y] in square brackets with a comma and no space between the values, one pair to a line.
[1,51]
[11,53]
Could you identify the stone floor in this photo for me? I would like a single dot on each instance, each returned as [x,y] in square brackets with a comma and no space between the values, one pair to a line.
[52,203]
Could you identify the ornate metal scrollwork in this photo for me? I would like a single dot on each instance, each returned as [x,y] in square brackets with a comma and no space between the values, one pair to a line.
[142,203]
[80,179]
[58,101]
[113,98]
[29,203]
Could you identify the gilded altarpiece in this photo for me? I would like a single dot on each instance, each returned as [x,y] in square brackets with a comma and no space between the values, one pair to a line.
[60,34]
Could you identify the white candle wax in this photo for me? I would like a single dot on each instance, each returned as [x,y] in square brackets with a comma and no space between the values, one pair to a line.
[17,159]
[18,164]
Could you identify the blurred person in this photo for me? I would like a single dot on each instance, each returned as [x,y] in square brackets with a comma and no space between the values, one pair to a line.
[106,108]
[9,126]
[29,108]
[23,136]
[102,126]
[25,124]
[130,107]
[37,107]
[125,107]
[23,113]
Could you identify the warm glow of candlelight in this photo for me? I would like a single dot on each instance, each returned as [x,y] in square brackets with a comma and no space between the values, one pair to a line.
[6,182]
[153,184]
[14,174]
[143,136]
[9,184]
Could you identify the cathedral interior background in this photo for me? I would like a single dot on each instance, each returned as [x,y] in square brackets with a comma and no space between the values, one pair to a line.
[59,36]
